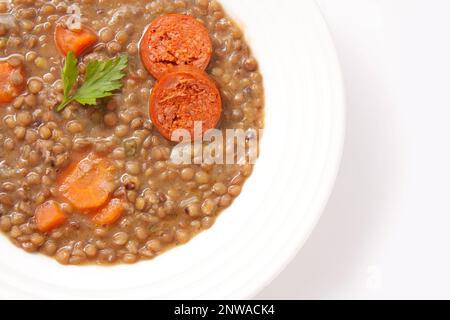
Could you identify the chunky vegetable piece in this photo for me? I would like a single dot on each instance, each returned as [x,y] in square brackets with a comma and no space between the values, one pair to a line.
[49,216]
[77,41]
[182,98]
[12,82]
[110,214]
[88,184]
[175,40]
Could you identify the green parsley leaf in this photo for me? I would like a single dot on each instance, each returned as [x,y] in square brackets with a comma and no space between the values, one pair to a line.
[102,79]
[69,73]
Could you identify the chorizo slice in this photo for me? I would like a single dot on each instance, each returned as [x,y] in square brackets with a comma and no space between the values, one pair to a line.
[175,40]
[183,97]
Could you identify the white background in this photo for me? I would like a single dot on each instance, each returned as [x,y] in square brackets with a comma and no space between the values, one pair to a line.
[386,231]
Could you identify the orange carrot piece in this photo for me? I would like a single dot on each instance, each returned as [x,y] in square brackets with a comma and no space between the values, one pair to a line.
[75,41]
[9,91]
[110,214]
[49,216]
[88,184]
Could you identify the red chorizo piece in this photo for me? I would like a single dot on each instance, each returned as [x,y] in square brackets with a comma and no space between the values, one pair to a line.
[175,40]
[183,97]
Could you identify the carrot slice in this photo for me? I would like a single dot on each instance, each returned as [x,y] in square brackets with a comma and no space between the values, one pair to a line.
[8,90]
[183,97]
[110,214]
[49,216]
[76,41]
[88,184]
[175,40]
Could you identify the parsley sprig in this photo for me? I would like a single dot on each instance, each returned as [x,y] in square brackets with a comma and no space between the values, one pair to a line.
[101,80]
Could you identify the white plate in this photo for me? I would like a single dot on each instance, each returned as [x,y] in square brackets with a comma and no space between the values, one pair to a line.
[281,203]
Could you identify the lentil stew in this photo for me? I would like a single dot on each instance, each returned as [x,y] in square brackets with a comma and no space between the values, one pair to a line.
[93,181]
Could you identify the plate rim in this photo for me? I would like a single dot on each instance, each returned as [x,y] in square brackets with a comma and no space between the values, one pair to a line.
[336,166]
[332,163]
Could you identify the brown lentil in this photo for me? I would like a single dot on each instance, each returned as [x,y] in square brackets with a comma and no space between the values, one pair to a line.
[90,250]
[35,86]
[120,238]
[45,133]
[234,190]
[111,119]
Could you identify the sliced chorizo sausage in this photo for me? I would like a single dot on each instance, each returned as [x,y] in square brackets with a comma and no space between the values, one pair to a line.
[183,97]
[175,40]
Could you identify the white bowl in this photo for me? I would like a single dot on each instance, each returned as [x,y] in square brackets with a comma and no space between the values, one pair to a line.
[281,203]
